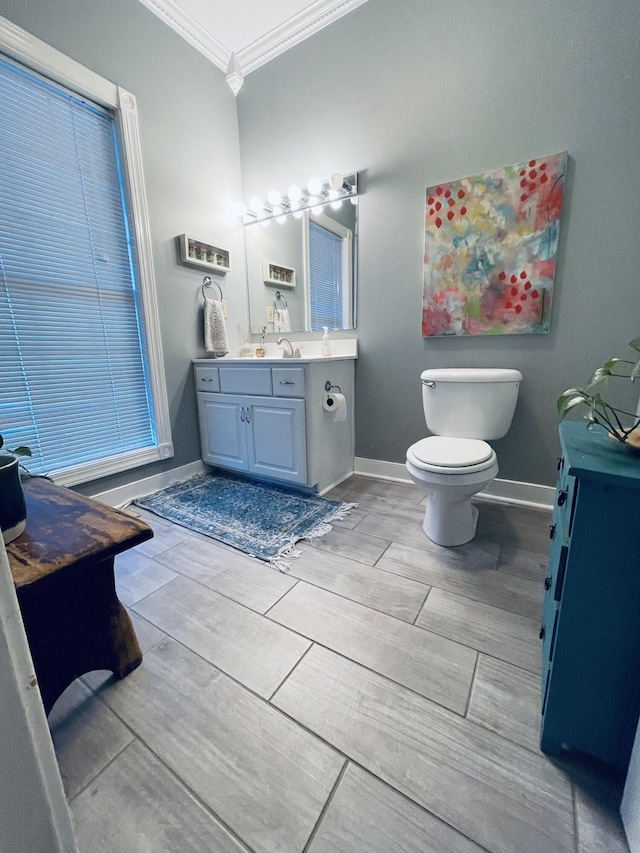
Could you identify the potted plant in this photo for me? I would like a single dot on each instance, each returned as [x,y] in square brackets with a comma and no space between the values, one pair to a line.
[622,425]
[13,511]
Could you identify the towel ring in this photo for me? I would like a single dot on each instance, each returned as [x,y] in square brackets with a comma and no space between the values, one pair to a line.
[207,281]
[280,297]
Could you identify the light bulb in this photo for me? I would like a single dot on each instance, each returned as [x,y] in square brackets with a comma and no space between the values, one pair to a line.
[317,209]
[315,186]
[274,197]
[277,210]
[353,199]
[336,204]
[312,200]
[294,206]
[294,192]
[332,195]
[256,204]
[281,219]
[336,180]
[298,214]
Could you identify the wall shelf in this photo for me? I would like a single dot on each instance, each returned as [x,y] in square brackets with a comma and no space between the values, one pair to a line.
[278,275]
[196,253]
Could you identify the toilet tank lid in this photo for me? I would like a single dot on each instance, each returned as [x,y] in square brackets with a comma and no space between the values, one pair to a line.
[471,374]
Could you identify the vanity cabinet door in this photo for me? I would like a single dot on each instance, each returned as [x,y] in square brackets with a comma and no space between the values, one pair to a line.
[223,436]
[277,438]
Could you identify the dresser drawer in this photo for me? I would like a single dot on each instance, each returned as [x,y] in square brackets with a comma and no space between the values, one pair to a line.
[288,381]
[246,380]
[207,379]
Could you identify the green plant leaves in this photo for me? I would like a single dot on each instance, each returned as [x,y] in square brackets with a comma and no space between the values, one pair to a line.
[598,411]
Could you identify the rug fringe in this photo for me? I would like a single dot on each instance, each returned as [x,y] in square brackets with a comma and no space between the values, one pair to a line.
[290,551]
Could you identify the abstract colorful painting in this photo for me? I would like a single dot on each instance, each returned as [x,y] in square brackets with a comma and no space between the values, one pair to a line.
[490,250]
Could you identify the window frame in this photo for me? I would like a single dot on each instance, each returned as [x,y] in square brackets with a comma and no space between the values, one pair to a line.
[21,46]
[346,236]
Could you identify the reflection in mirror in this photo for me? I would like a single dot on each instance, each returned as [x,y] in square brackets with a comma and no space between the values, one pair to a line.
[311,261]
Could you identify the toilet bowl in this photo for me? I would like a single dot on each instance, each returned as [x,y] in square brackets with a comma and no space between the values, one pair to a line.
[450,482]
[468,406]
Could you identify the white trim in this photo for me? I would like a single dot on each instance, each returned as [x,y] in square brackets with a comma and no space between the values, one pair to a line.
[41,57]
[123,495]
[292,31]
[132,153]
[500,491]
[34,807]
[191,31]
[310,20]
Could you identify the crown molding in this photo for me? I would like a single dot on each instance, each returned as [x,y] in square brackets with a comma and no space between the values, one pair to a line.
[294,30]
[191,31]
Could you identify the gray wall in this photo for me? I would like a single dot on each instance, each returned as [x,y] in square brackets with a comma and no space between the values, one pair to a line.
[188,126]
[410,93]
[415,92]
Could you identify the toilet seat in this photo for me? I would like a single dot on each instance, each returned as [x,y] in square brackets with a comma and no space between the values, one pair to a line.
[446,455]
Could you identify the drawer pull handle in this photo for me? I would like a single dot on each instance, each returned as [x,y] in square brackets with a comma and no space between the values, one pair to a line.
[542,632]
[559,463]
[547,583]
[287,382]
[562,497]
[205,379]
[552,531]
[247,416]
[242,414]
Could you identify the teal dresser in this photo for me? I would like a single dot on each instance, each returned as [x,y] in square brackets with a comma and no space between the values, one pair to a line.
[591,619]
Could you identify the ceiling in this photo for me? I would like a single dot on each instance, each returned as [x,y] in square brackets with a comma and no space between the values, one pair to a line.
[242,35]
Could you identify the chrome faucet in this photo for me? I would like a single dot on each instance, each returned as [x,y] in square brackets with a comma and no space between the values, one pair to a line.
[287,347]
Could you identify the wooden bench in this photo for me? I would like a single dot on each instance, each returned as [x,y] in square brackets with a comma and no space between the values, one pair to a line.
[63,570]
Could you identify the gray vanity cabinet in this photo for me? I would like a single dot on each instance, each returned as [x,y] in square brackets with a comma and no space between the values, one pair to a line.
[259,435]
[267,419]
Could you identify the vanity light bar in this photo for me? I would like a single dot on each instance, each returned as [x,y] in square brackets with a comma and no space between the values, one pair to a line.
[296,200]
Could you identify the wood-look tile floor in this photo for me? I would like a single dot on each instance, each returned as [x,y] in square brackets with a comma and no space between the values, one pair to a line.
[381,697]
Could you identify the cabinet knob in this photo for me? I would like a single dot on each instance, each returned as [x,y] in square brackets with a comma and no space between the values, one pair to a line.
[542,632]
[562,497]
[287,382]
[552,531]
[547,583]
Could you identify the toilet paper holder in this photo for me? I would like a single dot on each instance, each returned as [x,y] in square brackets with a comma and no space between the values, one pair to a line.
[329,387]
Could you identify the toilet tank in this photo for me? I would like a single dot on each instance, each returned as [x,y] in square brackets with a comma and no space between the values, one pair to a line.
[472,402]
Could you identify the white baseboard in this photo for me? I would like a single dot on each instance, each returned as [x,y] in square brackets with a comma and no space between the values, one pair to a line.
[123,495]
[500,491]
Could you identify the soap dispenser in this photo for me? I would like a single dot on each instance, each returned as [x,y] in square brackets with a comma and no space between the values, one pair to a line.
[326,343]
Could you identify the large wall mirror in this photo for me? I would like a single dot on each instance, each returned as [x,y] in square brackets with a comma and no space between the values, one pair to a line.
[306,263]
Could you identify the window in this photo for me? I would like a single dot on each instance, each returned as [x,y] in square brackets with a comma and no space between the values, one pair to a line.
[330,265]
[81,377]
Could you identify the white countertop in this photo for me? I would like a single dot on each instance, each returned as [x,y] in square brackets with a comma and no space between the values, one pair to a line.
[341,349]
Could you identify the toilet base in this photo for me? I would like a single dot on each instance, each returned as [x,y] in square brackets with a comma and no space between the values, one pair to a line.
[450,523]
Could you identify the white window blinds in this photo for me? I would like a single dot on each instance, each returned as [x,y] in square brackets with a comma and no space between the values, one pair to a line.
[326,278]
[74,382]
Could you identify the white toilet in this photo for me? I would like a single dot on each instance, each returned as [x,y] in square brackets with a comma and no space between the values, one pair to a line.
[463,407]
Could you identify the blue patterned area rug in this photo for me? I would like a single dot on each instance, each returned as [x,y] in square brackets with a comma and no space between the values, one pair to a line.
[262,519]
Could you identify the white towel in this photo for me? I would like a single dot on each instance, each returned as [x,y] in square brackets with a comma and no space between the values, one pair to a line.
[281,320]
[215,328]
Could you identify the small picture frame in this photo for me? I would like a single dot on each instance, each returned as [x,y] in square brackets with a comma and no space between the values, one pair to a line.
[278,275]
[197,253]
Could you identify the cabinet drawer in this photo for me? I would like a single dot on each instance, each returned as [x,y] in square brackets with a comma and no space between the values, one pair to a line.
[246,380]
[288,381]
[207,379]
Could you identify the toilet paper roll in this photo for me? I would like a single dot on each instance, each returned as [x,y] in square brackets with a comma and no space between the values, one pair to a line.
[337,404]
